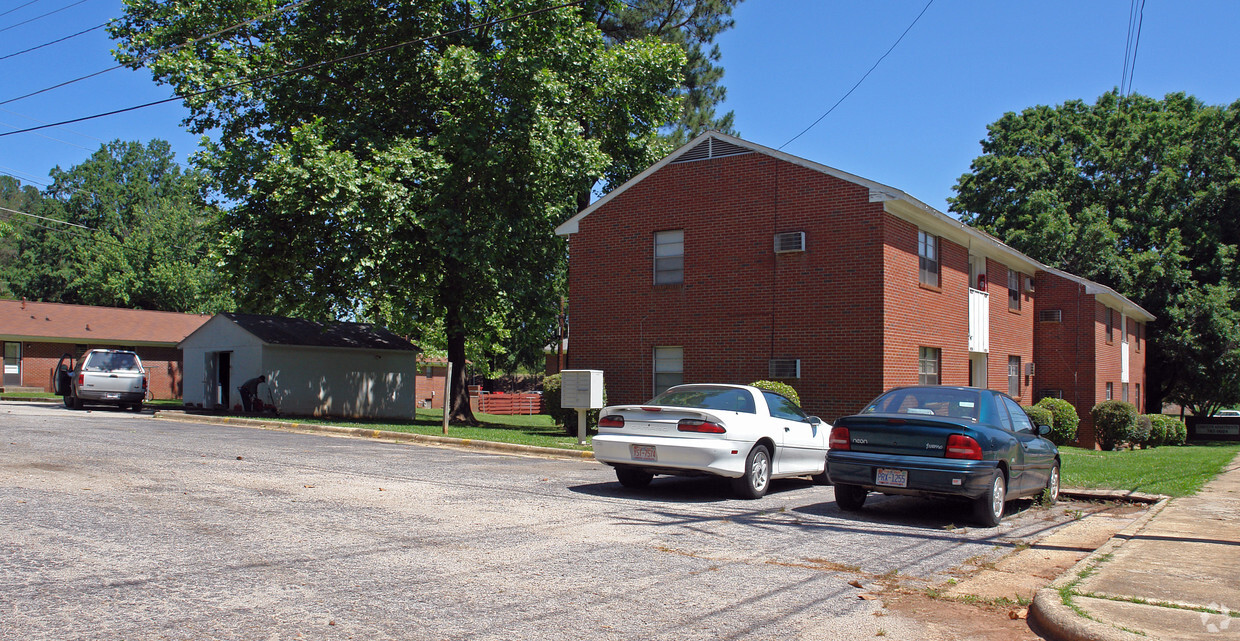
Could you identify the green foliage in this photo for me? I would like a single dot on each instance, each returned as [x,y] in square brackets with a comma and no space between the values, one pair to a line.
[1065,420]
[1138,194]
[1177,432]
[565,416]
[783,389]
[1159,429]
[418,187]
[1040,416]
[1115,423]
[1142,431]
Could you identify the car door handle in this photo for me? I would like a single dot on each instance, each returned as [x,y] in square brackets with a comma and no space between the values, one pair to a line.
[787,429]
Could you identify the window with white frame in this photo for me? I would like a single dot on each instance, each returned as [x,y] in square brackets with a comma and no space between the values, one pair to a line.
[1014,376]
[669,368]
[669,257]
[1110,391]
[928,258]
[1123,391]
[929,360]
[1013,290]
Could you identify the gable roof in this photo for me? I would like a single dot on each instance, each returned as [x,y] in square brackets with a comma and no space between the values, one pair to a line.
[278,330]
[714,144]
[87,324]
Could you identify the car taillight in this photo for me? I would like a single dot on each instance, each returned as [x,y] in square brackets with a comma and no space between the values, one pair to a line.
[839,439]
[81,380]
[144,383]
[961,446]
[611,421]
[698,425]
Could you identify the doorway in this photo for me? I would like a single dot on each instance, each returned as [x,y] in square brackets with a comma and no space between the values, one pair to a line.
[219,378]
[977,370]
[12,364]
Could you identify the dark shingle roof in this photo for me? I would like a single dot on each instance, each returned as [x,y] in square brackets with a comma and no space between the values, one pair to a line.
[278,330]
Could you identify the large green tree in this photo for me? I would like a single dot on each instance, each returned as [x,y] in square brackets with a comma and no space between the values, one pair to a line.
[405,162]
[1139,194]
[133,232]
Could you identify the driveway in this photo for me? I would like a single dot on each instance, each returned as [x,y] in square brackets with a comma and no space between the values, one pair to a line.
[128,527]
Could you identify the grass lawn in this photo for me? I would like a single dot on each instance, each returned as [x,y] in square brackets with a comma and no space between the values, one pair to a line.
[537,429]
[1174,471]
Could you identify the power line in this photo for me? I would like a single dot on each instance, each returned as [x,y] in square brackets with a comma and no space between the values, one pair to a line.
[1136,18]
[48,44]
[10,213]
[14,26]
[867,75]
[23,6]
[286,72]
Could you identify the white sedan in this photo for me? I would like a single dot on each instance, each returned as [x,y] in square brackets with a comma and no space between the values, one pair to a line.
[735,431]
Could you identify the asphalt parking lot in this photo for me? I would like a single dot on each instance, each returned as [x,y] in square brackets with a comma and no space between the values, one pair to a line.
[128,527]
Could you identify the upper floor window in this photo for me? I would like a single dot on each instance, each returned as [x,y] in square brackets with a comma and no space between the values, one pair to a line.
[669,257]
[1110,325]
[1136,334]
[1013,289]
[928,362]
[928,257]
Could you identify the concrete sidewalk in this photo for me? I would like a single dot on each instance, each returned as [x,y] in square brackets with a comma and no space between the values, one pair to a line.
[1174,574]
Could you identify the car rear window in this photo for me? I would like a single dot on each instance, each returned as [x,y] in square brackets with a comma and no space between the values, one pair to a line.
[927,402]
[111,362]
[728,399]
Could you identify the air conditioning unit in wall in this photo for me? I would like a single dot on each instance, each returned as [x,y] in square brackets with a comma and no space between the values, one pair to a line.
[784,368]
[792,241]
[1028,369]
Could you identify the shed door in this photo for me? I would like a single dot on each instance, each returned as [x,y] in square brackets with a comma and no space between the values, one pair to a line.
[12,364]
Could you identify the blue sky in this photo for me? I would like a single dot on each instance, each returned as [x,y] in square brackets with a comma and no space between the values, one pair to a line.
[914,124]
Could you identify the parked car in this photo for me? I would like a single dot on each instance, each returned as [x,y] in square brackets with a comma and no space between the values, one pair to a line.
[735,431]
[102,377]
[1226,413]
[946,442]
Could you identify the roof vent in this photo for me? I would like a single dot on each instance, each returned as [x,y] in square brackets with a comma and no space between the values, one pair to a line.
[712,148]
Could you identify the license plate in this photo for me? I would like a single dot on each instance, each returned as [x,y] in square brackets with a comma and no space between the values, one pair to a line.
[643,453]
[111,395]
[891,478]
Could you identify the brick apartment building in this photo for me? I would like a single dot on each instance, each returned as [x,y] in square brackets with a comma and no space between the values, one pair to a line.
[731,262]
[35,335]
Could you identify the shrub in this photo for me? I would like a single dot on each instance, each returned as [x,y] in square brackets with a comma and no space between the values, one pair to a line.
[783,389]
[565,416]
[1177,431]
[1115,423]
[1065,420]
[1141,431]
[1040,416]
[1160,425]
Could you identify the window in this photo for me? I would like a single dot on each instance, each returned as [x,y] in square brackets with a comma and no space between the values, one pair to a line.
[781,407]
[784,368]
[669,257]
[1136,398]
[1123,329]
[1020,420]
[1136,330]
[1123,390]
[1013,290]
[1050,393]
[669,367]
[1014,376]
[928,255]
[1110,391]
[1110,325]
[928,360]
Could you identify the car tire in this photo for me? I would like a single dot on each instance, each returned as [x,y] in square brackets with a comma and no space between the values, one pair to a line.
[69,401]
[850,498]
[633,479]
[757,478]
[988,508]
[1052,486]
[136,407]
[75,403]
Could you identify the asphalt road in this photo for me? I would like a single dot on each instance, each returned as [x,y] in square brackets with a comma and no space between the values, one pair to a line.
[122,526]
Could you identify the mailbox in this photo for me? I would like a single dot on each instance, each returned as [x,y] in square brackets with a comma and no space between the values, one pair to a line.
[581,388]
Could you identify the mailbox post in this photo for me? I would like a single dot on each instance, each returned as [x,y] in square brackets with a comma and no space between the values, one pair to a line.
[581,389]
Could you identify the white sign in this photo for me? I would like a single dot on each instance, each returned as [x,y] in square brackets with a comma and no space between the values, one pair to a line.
[581,388]
[12,369]
[1218,430]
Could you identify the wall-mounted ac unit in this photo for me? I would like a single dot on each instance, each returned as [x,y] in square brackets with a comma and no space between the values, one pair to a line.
[1051,316]
[1029,369]
[785,368]
[791,241]
[1029,283]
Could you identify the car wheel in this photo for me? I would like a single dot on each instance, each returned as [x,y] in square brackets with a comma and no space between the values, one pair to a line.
[75,402]
[989,507]
[1052,486]
[850,497]
[757,478]
[137,407]
[68,401]
[635,479]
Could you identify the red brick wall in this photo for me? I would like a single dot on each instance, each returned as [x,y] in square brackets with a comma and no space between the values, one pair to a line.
[740,304]
[1064,351]
[164,366]
[430,388]
[1011,332]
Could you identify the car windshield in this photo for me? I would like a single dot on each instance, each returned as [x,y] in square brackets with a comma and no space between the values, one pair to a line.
[928,401]
[730,399]
[111,362]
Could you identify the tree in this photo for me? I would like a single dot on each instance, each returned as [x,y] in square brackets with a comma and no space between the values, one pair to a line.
[15,200]
[134,234]
[416,185]
[1139,194]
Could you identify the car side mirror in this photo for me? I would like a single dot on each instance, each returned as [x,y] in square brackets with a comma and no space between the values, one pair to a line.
[1044,430]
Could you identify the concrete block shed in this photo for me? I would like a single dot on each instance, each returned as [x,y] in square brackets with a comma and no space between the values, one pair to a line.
[353,370]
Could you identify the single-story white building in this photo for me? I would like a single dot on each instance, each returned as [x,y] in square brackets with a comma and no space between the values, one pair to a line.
[353,370]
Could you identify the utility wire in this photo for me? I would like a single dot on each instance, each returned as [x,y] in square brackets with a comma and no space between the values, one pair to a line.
[286,72]
[14,26]
[1136,18]
[81,230]
[48,44]
[23,6]
[867,75]
[161,51]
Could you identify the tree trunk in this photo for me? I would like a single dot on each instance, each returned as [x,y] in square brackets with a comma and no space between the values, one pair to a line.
[461,412]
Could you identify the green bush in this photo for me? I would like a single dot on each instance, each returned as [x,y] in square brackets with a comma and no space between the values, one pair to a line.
[1177,431]
[1159,429]
[566,416]
[1040,416]
[1065,421]
[783,389]
[1141,432]
[1115,423]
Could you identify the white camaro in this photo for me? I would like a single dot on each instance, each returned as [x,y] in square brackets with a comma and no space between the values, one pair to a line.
[736,431]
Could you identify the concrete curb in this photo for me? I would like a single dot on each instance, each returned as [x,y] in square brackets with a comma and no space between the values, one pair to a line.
[402,437]
[1050,618]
